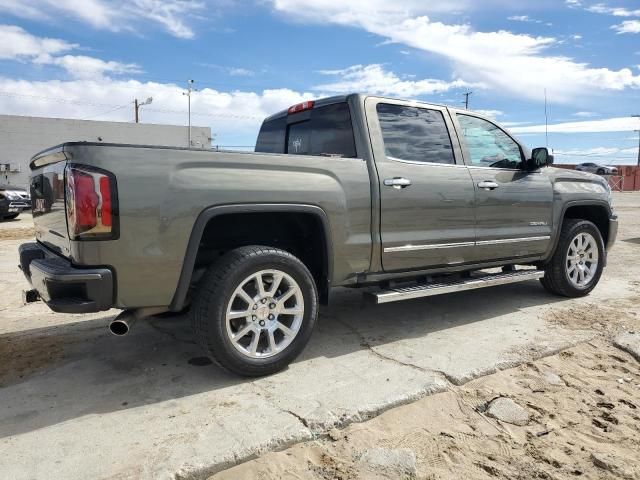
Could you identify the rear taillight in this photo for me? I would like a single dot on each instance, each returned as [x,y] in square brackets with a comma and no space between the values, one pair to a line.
[91,198]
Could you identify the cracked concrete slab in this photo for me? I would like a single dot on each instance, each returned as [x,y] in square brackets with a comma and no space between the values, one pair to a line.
[629,342]
[89,405]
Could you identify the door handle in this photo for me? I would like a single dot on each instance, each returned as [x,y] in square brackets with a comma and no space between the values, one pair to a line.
[488,185]
[397,182]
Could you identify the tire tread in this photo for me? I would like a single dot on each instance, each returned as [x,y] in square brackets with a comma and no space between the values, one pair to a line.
[215,280]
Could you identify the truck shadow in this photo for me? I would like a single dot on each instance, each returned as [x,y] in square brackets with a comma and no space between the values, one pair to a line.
[54,374]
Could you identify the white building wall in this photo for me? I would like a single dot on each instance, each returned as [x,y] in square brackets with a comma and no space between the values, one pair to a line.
[23,137]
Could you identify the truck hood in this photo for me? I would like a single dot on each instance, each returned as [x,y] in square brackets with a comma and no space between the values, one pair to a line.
[564,174]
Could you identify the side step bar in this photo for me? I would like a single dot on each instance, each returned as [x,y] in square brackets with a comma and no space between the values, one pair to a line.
[478,281]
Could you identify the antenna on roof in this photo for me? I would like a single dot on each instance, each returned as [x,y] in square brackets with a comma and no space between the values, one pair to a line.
[546,120]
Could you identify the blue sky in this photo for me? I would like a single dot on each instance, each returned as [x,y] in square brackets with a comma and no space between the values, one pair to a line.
[89,59]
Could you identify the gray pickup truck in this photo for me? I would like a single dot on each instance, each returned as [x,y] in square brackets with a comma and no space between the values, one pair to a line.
[405,198]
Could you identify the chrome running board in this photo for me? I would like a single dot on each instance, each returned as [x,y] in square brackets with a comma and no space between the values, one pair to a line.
[476,281]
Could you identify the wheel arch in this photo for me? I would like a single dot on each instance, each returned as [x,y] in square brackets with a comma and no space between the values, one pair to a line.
[597,212]
[214,213]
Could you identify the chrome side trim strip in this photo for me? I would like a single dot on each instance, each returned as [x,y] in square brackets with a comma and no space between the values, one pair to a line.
[513,240]
[436,246]
[488,280]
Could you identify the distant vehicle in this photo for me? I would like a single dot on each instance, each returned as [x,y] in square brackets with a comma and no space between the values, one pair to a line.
[595,168]
[13,201]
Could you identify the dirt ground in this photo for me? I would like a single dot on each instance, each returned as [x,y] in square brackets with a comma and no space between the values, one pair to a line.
[584,422]
[582,404]
[523,385]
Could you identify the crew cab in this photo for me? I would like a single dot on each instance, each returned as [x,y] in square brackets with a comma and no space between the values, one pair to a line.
[412,199]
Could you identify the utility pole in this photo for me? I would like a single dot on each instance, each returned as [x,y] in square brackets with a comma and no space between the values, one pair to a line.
[466,100]
[638,116]
[190,89]
[137,106]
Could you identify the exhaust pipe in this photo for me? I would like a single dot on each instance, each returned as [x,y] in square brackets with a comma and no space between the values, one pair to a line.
[121,325]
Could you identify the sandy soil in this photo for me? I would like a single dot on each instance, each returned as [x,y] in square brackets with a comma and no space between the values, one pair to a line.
[17,233]
[584,407]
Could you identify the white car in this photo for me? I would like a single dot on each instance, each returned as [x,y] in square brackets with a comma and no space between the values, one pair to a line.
[599,169]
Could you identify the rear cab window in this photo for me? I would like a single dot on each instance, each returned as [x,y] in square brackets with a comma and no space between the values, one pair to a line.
[321,131]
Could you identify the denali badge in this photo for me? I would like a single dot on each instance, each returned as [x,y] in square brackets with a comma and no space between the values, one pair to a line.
[538,224]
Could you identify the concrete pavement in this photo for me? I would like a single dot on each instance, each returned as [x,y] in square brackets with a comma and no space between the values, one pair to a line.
[76,402]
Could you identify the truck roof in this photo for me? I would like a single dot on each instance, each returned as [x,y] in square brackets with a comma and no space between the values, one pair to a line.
[343,98]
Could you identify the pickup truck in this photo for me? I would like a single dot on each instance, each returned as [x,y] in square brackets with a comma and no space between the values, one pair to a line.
[405,198]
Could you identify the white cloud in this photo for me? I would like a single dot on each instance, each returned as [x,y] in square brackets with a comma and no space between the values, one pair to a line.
[585,114]
[618,124]
[490,113]
[375,79]
[21,46]
[234,116]
[81,66]
[596,152]
[573,3]
[526,19]
[512,63]
[116,15]
[628,26]
[17,44]
[615,11]
[241,72]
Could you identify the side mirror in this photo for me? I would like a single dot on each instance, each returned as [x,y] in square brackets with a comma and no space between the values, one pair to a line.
[540,157]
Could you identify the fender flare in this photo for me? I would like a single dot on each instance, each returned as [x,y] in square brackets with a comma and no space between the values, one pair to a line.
[180,296]
[567,206]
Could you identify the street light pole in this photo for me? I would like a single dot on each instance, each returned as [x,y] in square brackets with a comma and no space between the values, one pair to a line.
[188,94]
[137,106]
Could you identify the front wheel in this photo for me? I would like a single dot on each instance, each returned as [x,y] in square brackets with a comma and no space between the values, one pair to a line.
[255,309]
[576,265]
[13,216]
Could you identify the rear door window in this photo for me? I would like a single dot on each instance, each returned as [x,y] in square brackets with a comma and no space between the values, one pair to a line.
[321,131]
[414,134]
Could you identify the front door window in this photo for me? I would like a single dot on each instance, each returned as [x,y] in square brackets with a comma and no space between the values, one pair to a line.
[488,145]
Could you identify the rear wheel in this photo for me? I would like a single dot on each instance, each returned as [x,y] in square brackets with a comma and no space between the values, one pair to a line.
[576,266]
[255,310]
[600,171]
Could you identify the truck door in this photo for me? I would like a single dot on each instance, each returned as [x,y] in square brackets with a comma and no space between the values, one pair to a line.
[513,205]
[426,192]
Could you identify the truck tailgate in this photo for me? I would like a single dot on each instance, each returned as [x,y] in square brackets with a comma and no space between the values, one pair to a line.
[47,195]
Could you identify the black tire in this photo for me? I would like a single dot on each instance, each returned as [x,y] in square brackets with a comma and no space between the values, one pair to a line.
[600,171]
[215,291]
[556,279]
[12,216]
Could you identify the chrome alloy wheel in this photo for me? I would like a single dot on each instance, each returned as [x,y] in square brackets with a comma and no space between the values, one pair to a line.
[582,259]
[264,313]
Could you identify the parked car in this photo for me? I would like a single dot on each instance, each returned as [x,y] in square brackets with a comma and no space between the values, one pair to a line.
[596,168]
[356,191]
[15,199]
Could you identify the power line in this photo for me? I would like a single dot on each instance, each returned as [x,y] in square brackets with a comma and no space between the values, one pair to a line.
[157,110]
[107,112]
